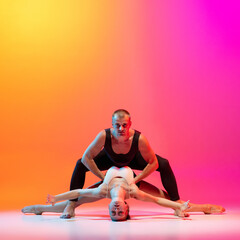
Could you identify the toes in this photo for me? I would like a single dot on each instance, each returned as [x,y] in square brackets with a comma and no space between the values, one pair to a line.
[181,214]
[31,209]
[25,210]
[38,213]
[214,209]
[186,214]
[66,216]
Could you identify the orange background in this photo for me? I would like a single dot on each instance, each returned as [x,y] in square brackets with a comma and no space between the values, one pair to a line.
[67,65]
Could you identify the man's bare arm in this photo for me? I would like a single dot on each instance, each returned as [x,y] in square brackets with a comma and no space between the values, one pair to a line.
[149,156]
[92,151]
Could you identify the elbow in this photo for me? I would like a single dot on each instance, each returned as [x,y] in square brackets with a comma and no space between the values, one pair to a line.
[155,164]
[84,160]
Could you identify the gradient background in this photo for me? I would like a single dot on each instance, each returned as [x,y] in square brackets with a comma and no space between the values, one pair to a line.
[67,65]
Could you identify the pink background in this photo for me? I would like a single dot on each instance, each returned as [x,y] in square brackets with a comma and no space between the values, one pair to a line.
[67,65]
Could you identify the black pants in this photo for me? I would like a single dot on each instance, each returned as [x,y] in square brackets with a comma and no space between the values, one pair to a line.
[104,163]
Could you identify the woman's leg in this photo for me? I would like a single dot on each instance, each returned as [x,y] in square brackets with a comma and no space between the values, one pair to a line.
[77,182]
[205,208]
[146,197]
[39,209]
[59,207]
[78,179]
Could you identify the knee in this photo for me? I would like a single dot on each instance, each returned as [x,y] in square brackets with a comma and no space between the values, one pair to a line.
[79,161]
[80,165]
[163,163]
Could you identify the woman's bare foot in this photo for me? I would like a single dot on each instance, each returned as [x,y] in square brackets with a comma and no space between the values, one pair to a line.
[69,210]
[36,209]
[205,208]
[210,208]
[181,212]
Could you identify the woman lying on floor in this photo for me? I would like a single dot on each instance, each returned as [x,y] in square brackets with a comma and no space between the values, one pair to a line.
[117,186]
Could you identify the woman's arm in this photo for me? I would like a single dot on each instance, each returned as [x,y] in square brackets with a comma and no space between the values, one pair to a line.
[99,192]
[140,195]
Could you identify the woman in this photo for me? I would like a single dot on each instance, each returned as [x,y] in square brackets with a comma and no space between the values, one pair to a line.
[117,186]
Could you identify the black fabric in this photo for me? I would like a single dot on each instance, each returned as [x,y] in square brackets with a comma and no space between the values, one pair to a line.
[121,160]
[104,162]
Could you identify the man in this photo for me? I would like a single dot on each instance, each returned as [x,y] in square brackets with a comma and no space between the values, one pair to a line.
[118,186]
[121,146]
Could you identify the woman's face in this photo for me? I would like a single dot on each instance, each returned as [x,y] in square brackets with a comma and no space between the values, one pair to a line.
[118,210]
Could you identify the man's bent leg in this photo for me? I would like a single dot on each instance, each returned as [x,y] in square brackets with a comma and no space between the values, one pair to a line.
[151,189]
[167,176]
[78,177]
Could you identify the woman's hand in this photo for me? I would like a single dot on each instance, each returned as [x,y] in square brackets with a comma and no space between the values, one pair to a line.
[51,199]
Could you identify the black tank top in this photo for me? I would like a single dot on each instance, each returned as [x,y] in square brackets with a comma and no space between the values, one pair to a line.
[121,160]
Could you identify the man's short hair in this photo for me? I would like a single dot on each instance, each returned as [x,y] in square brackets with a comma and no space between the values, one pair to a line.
[121,112]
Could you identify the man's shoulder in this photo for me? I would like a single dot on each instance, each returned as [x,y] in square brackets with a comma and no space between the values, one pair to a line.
[142,139]
[101,135]
[137,132]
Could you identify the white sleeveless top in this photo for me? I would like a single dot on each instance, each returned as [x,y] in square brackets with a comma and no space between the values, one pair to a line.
[124,172]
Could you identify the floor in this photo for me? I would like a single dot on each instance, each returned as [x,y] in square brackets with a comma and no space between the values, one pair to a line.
[94,223]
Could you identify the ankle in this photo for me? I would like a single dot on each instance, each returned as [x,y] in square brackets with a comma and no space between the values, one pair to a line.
[71,204]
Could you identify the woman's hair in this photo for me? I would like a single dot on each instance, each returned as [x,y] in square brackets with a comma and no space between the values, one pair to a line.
[128,216]
[125,217]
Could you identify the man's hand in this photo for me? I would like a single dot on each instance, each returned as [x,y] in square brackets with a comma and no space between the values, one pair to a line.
[51,199]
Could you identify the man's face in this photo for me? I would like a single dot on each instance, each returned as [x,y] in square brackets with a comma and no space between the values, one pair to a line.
[121,125]
[118,210]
